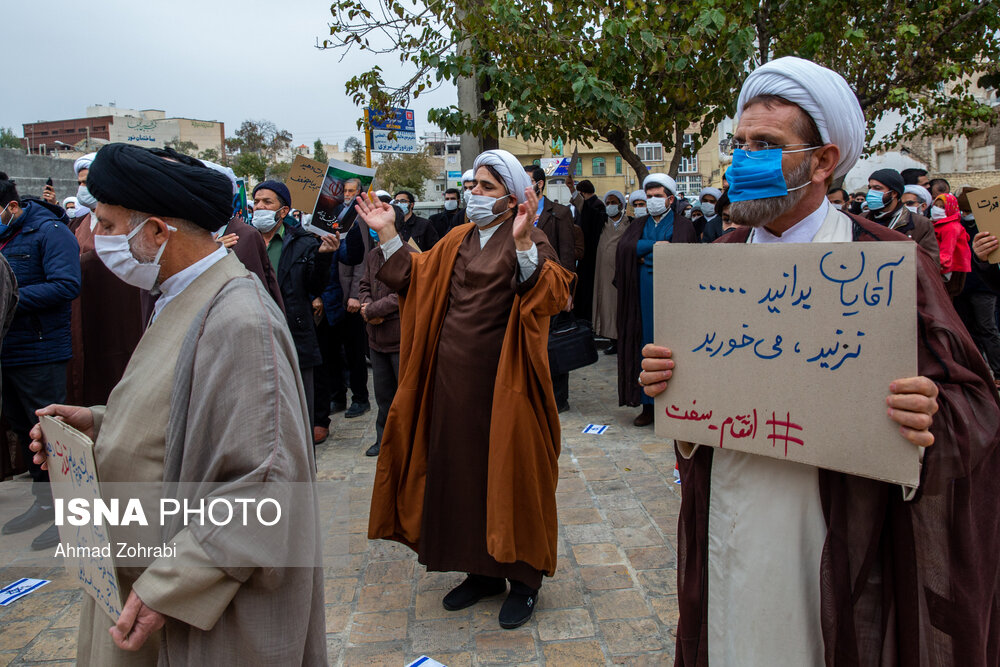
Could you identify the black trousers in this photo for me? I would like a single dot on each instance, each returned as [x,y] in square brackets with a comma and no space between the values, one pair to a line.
[560,381]
[385,377]
[26,389]
[343,346]
[978,312]
[521,587]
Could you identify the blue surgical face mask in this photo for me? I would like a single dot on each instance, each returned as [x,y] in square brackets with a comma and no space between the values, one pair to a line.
[876,200]
[372,233]
[758,175]
[403,206]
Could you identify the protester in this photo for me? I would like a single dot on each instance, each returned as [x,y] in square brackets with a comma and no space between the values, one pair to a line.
[474,421]
[8,306]
[857,204]
[302,265]
[45,259]
[592,218]
[638,202]
[157,210]
[956,256]
[452,216]
[380,310]
[556,222]
[917,177]
[412,226]
[727,224]
[851,566]
[708,200]
[69,205]
[938,186]
[634,279]
[917,200]
[838,198]
[605,294]
[885,206]
[468,182]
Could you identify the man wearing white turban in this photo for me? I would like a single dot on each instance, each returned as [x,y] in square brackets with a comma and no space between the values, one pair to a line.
[783,563]
[711,224]
[468,182]
[634,279]
[467,469]
[605,294]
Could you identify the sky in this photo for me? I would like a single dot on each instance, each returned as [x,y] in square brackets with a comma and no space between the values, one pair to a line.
[223,60]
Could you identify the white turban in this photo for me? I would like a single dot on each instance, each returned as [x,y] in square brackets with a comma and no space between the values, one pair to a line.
[470,175]
[225,171]
[83,162]
[382,193]
[822,93]
[715,192]
[638,195]
[919,191]
[615,193]
[515,179]
[660,179]
[69,200]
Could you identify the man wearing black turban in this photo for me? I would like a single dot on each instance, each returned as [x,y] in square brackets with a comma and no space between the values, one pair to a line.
[211,396]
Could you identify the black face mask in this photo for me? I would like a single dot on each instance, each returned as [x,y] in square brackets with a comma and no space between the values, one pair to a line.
[855,207]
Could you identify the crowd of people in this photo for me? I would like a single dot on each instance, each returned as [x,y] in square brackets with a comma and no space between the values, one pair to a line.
[128,295]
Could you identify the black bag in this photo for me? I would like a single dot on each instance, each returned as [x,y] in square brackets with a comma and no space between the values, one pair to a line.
[571,344]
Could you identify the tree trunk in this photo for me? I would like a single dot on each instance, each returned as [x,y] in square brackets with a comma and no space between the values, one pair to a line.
[469,102]
[675,160]
[620,141]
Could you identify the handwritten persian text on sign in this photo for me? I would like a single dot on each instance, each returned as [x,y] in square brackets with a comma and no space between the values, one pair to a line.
[985,205]
[788,350]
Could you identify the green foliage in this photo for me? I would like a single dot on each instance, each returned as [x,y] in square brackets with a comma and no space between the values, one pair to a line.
[250,165]
[357,149]
[318,153]
[185,147]
[279,171]
[211,155]
[405,171]
[628,72]
[8,139]
[262,137]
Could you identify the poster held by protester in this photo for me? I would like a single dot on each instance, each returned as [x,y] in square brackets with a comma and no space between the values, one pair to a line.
[788,351]
[304,182]
[985,205]
[73,474]
[331,194]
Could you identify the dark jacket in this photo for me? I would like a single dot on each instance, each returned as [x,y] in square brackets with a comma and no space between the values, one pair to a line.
[916,227]
[45,258]
[419,229]
[342,272]
[556,221]
[444,221]
[252,251]
[712,229]
[381,302]
[302,276]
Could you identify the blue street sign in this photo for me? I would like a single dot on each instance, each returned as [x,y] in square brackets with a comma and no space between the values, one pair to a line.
[398,119]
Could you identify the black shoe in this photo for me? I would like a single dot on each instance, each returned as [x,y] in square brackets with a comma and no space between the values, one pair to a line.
[35,516]
[357,409]
[337,406]
[373,450]
[562,407]
[517,609]
[47,539]
[645,417]
[612,349]
[472,590]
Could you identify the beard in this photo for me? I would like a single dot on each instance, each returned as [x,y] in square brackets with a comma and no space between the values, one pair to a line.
[759,212]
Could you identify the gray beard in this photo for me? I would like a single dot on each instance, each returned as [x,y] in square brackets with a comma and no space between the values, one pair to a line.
[759,212]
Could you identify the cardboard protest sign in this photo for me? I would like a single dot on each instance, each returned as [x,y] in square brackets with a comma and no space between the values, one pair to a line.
[304,181]
[985,205]
[788,351]
[331,194]
[73,474]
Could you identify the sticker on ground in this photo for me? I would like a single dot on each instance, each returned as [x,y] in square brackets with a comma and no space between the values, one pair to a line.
[596,429]
[19,589]
[424,661]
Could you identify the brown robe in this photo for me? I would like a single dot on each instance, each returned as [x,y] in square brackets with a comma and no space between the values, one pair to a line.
[468,468]
[252,251]
[106,324]
[629,306]
[605,294]
[902,583]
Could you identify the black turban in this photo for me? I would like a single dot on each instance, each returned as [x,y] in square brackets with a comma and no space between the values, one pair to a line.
[163,182]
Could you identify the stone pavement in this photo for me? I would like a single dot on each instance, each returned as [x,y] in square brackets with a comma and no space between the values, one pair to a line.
[612,600]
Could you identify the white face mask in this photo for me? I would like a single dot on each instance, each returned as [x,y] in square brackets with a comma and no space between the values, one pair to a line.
[451,205]
[911,209]
[116,253]
[656,206]
[613,210]
[968,217]
[480,209]
[640,211]
[263,220]
[84,197]
[937,213]
[708,210]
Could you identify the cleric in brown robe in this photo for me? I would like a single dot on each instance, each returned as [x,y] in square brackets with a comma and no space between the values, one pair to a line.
[106,320]
[860,573]
[467,472]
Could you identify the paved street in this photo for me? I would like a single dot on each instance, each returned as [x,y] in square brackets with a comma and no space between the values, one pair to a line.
[612,600]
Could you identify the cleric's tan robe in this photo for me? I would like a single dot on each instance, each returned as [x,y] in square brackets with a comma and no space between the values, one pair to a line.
[222,332]
[605,293]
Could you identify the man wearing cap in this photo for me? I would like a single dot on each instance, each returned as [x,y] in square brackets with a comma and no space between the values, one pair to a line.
[211,397]
[302,264]
[634,279]
[885,206]
[468,466]
[784,563]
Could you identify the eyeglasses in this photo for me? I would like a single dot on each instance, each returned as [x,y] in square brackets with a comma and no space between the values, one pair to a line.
[754,145]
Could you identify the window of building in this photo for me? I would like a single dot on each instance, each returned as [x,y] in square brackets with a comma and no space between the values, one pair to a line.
[945,160]
[689,165]
[598,167]
[618,165]
[650,152]
[44,134]
[689,185]
[579,168]
[438,187]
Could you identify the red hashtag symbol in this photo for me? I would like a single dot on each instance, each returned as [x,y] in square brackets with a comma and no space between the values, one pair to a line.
[787,424]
